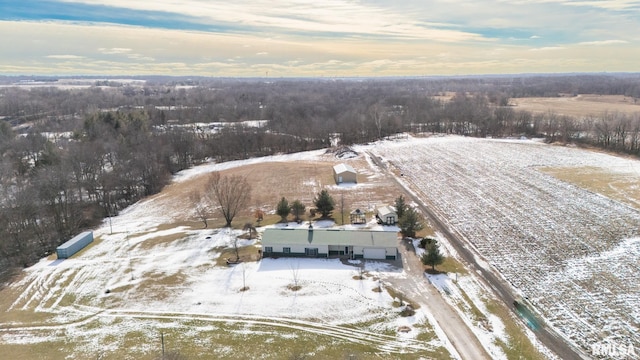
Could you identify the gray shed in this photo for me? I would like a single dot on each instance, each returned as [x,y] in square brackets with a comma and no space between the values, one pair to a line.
[387,215]
[74,245]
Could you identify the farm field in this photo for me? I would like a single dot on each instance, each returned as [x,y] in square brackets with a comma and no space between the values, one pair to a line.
[578,106]
[568,247]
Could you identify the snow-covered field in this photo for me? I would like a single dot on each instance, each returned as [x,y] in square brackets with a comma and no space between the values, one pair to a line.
[141,277]
[574,253]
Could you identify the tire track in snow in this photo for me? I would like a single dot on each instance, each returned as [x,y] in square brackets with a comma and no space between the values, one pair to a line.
[386,343]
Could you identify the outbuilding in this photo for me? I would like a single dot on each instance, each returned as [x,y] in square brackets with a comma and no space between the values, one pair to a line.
[343,173]
[387,215]
[74,245]
[316,243]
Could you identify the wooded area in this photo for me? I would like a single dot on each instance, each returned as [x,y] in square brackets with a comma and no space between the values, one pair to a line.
[70,157]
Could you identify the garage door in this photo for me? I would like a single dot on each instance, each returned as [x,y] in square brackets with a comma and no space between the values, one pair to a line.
[375,254]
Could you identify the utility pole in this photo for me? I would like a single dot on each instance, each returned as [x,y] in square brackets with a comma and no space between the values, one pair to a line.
[110,225]
[129,256]
[162,342]
[342,207]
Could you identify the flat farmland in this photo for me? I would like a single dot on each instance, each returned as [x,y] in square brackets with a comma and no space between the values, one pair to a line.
[571,249]
[578,106]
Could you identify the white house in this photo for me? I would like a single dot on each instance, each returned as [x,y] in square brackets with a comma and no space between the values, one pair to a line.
[387,215]
[355,244]
[344,173]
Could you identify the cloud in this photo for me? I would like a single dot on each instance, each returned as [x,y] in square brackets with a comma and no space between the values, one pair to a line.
[603,42]
[65,57]
[114,51]
[547,48]
[303,38]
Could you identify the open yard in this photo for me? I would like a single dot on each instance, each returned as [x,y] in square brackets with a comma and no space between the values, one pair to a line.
[569,246]
[154,273]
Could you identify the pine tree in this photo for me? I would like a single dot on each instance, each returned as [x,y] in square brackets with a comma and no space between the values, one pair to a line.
[283,209]
[324,203]
[401,206]
[410,222]
[297,209]
[432,255]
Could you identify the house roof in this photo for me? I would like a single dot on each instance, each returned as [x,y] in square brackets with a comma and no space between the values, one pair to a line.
[343,237]
[341,168]
[386,210]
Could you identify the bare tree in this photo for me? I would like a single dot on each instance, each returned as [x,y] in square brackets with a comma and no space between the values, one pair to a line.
[230,193]
[295,275]
[200,208]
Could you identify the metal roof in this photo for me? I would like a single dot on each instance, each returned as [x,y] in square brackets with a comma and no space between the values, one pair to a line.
[341,168]
[386,210]
[274,236]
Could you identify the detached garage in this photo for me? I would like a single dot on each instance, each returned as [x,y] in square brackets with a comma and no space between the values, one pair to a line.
[344,173]
[352,244]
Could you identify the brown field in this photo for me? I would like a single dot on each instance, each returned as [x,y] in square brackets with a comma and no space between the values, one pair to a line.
[578,106]
[270,181]
[620,187]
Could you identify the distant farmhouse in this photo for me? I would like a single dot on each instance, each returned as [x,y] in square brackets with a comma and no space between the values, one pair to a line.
[387,215]
[344,173]
[316,243]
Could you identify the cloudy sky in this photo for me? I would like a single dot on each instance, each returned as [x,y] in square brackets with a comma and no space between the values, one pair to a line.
[286,38]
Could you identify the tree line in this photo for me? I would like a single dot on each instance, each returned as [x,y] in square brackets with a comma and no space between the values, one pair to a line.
[69,158]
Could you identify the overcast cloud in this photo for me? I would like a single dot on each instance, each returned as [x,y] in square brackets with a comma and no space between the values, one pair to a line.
[309,38]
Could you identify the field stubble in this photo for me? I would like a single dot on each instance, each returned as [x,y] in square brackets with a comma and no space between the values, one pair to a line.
[572,251]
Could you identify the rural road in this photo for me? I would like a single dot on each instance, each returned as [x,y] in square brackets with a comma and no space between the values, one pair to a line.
[416,287]
[500,288]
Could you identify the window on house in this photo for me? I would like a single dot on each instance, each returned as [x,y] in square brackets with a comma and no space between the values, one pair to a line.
[268,249]
[286,250]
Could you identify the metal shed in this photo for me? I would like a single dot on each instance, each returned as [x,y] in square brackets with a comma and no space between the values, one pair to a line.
[74,245]
[387,215]
[343,173]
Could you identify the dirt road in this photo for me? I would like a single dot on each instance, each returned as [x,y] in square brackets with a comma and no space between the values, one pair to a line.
[416,287]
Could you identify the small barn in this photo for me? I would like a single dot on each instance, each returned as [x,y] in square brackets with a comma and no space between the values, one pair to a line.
[324,243]
[74,245]
[358,216]
[387,215]
[344,173]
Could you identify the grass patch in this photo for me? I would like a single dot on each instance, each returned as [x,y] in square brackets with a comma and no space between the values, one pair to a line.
[402,299]
[160,240]
[451,265]
[620,187]
[247,254]
[157,286]
[519,346]
[478,315]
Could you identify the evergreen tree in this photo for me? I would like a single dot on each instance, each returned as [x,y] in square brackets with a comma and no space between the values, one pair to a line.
[401,206]
[324,203]
[432,255]
[283,209]
[297,209]
[410,222]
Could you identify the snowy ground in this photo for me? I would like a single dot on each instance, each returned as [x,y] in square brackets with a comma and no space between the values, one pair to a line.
[141,276]
[574,253]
